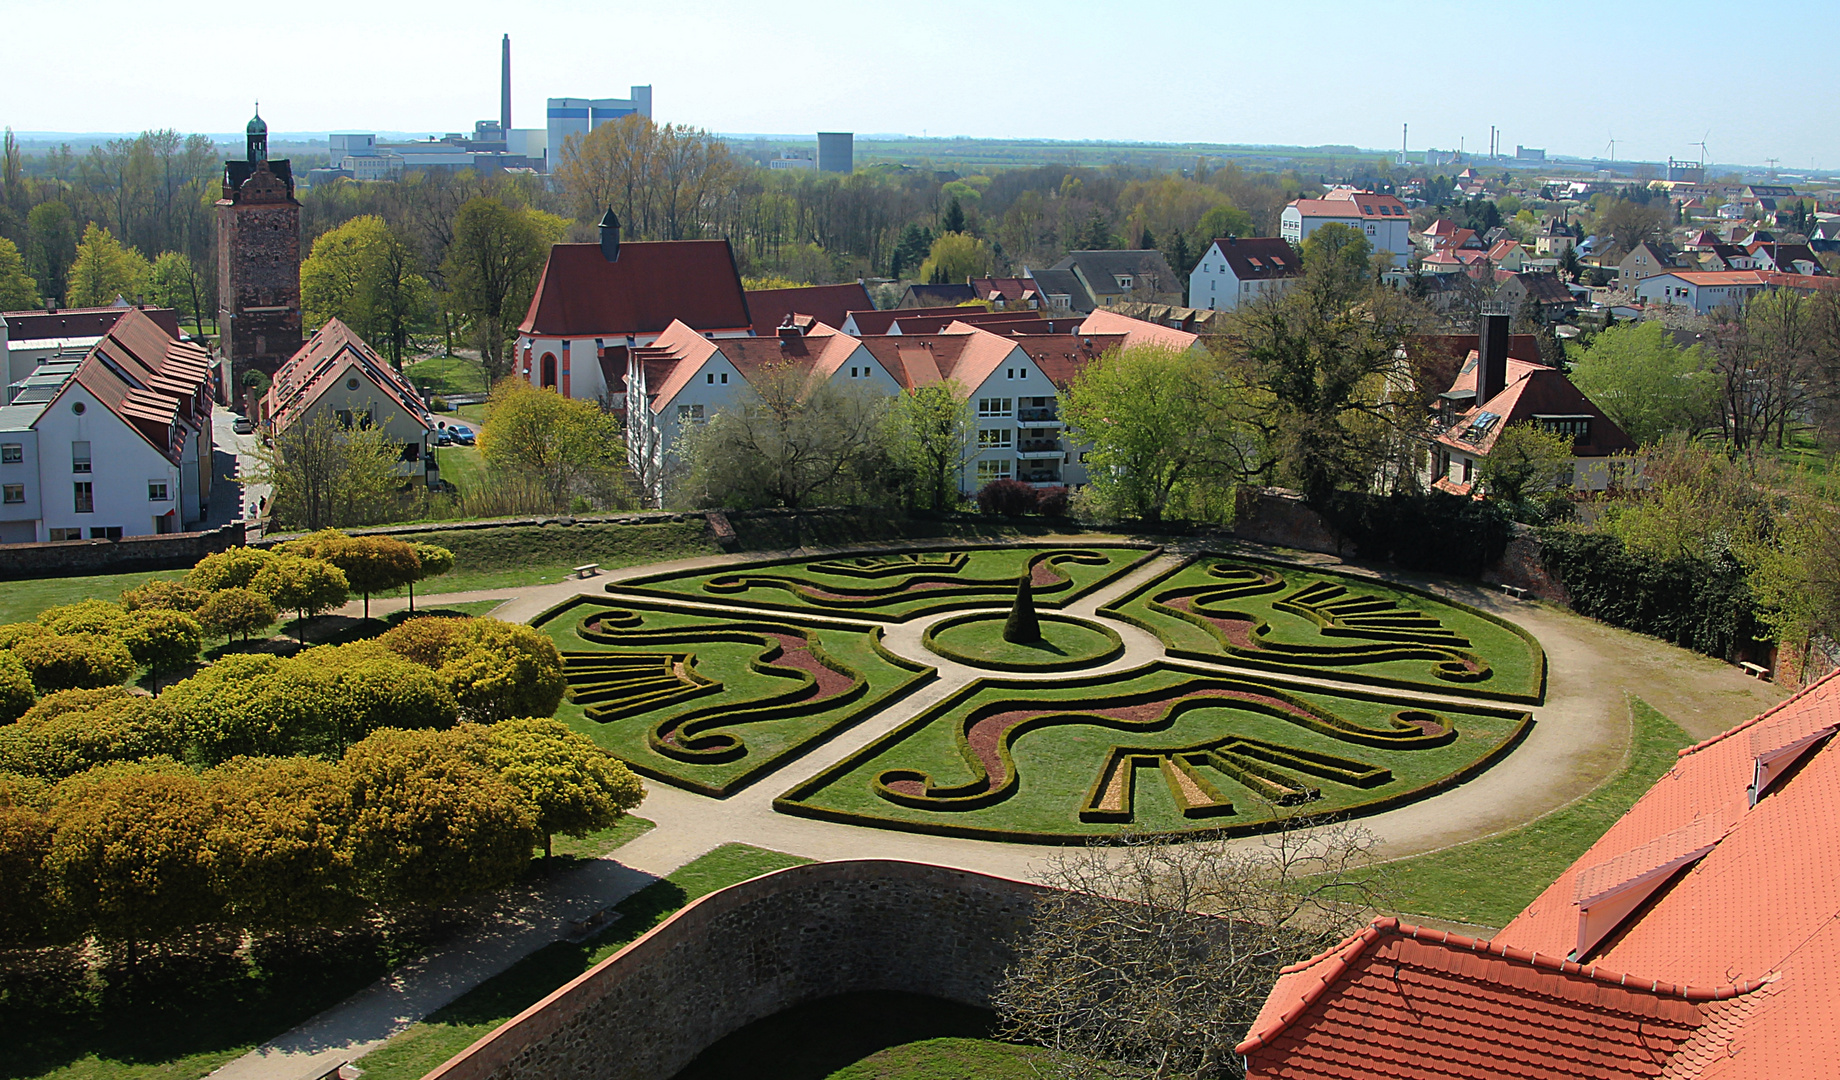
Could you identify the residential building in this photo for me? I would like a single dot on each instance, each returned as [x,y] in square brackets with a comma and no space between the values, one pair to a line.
[1007,294]
[37,337]
[596,301]
[829,304]
[1060,290]
[116,443]
[923,295]
[1105,276]
[1721,256]
[1545,292]
[1787,258]
[790,161]
[337,375]
[258,263]
[1702,290]
[1236,270]
[899,321]
[1493,392]
[1645,260]
[1381,218]
[1695,938]
[1507,254]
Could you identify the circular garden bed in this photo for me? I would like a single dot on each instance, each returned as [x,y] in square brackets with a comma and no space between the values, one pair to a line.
[976,640]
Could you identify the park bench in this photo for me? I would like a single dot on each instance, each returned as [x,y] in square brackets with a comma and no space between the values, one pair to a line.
[587,570]
[1515,591]
[1757,671]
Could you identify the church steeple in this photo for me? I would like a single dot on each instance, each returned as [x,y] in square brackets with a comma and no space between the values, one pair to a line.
[257,133]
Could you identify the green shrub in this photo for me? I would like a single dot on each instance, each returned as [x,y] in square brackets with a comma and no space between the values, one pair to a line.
[1470,535]
[74,661]
[1699,604]
[256,706]
[376,688]
[236,611]
[232,569]
[161,593]
[425,639]
[84,617]
[16,693]
[63,742]
[498,670]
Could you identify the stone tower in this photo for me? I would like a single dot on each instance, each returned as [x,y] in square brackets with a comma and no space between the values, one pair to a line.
[258,264]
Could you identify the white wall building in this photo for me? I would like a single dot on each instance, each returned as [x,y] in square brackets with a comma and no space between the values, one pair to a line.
[1702,290]
[1383,219]
[578,116]
[1238,270]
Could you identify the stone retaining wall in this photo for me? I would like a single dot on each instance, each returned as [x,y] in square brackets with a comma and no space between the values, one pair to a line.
[755,949]
[73,558]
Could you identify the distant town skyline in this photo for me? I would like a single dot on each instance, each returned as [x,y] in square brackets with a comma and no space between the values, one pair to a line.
[1337,73]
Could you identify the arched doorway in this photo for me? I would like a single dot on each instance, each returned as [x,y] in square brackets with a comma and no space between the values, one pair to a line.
[549,369]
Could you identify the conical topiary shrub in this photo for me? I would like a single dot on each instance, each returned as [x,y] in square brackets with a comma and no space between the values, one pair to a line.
[1023,628]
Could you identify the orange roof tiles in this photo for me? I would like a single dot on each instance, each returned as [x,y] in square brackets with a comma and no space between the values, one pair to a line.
[1137,331]
[1730,970]
[317,364]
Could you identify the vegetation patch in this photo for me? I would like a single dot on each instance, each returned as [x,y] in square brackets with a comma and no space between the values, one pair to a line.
[709,701]
[1059,573]
[976,639]
[1080,758]
[1318,622]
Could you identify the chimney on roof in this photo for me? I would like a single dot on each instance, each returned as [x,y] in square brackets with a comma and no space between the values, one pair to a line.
[610,236]
[1492,358]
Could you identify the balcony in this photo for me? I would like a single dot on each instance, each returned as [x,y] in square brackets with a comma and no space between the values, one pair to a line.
[1039,449]
[1039,477]
[1048,416]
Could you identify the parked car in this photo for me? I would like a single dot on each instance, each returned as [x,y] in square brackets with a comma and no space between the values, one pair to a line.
[462,434]
[443,437]
[242,425]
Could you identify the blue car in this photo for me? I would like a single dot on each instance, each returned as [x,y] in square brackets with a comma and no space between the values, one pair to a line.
[462,434]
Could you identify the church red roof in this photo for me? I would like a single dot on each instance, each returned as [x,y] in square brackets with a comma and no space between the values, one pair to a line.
[829,304]
[1698,938]
[581,294]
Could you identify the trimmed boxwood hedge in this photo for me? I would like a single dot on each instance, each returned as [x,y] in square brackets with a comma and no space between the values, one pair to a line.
[978,794]
[1260,576]
[1114,649]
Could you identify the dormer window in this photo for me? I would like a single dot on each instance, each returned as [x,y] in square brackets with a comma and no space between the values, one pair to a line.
[1125,281]
[1775,748]
[1609,892]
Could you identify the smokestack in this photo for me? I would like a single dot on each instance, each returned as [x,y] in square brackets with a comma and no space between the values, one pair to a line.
[1492,358]
[504,88]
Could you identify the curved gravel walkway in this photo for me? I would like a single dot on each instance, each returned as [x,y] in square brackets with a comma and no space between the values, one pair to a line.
[1579,739]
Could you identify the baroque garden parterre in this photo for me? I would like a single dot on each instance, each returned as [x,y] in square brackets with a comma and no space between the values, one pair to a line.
[711,681]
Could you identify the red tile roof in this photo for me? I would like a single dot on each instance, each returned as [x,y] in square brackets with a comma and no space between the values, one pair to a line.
[581,294]
[875,323]
[1259,257]
[1001,322]
[1533,391]
[151,381]
[1062,357]
[1728,927]
[829,304]
[318,364]
[1137,331]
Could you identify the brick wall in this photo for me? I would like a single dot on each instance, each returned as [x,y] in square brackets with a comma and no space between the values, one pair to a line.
[72,558]
[747,952]
[258,274]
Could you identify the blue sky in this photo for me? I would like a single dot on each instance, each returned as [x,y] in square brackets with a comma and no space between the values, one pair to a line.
[1566,77]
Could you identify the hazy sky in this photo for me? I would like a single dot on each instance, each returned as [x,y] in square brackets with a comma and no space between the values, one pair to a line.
[1566,77]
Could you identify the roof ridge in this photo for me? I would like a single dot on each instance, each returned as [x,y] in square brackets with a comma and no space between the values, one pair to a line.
[1337,960]
[1760,717]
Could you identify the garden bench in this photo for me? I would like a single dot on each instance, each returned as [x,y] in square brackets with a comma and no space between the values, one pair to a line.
[1756,670]
[1515,591]
[587,570]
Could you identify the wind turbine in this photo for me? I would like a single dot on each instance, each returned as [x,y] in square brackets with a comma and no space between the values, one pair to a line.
[1612,147]
[1702,149]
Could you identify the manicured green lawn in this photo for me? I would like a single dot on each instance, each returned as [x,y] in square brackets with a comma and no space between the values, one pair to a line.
[515,555]
[1060,764]
[951,1059]
[1488,882]
[982,576]
[21,601]
[1063,642]
[1294,642]
[455,1027]
[767,740]
[448,375]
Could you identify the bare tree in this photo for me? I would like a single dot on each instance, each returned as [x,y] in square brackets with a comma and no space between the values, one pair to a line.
[1152,958]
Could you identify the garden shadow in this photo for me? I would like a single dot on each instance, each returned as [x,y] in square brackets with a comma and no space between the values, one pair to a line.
[813,1040]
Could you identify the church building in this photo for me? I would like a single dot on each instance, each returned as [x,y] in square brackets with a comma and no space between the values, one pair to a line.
[258,264]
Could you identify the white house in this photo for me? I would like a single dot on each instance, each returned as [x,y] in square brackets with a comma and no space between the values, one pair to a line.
[1237,270]
[1383,219]
[337,374]
[1702,290]
[117,444]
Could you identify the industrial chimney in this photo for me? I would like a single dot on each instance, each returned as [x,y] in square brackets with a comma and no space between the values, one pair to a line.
[504,88]
[1492,358]
[610,236]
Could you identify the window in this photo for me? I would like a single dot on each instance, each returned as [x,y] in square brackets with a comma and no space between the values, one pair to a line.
[993,470]
[12,453]
[13,493]
[58,536]
[1125,281]
[79,457]
[156,491]
[86,498]
[692,413]
[992,438]
[106,532]
[991,406]
[1469,469]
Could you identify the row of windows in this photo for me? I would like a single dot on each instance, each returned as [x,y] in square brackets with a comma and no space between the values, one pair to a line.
[106,532]
[992,406]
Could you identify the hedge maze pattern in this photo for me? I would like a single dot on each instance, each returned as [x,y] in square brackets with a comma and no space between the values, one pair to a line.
[1244,754]
[898,586]
[647,697]
[1286,619]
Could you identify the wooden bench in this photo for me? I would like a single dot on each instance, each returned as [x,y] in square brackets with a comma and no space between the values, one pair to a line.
[1757,671]
[587,570]
[1514,590]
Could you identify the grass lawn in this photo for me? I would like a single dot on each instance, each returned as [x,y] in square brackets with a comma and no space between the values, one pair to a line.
[1063,643]
[461,466]
[768,741]
[950,1059]
[1487,882]
[849,587]
[1295,642]
[456,1026]
[448,375]
[21,601]
[1060,764]
[543,554]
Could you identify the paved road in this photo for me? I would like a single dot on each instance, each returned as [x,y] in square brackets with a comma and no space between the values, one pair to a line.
[1580,737]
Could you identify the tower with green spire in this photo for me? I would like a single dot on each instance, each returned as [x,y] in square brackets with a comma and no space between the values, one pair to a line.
[258,264]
